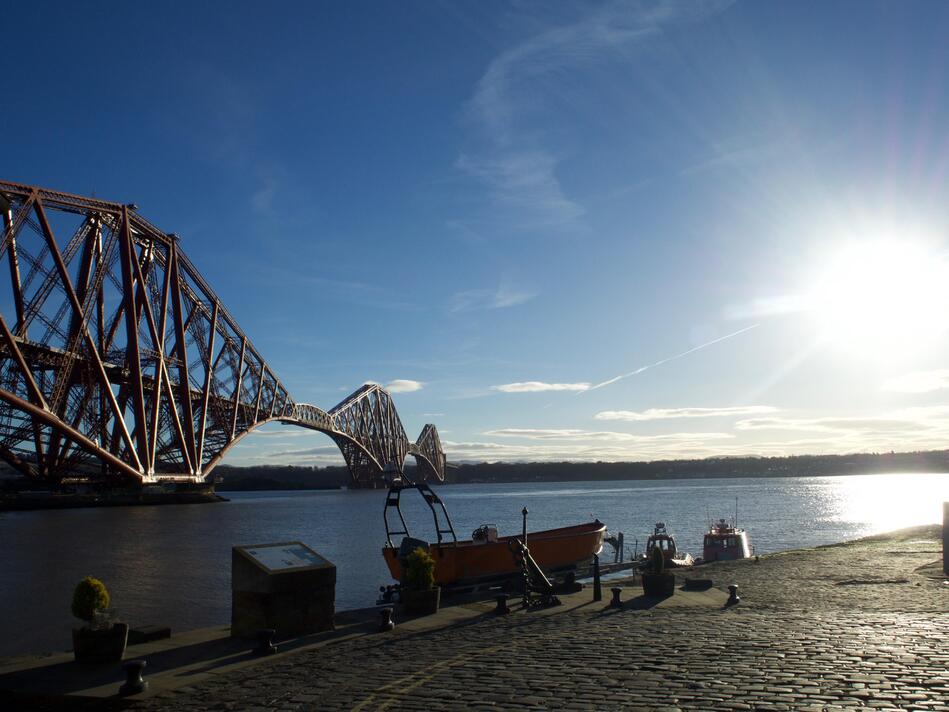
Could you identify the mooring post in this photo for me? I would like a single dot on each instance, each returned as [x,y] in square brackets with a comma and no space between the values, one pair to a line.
[733,596]
[945,537]
[134,683]
[524,530]
[620,550]
[597,590]
[265,644]
[502,608]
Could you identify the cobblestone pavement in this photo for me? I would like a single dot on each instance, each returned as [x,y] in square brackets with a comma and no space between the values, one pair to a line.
[838,627]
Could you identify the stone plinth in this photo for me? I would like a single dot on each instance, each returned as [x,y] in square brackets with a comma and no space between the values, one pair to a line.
[285,586]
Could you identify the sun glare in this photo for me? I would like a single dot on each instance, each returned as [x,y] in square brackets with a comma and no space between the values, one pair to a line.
[882,298]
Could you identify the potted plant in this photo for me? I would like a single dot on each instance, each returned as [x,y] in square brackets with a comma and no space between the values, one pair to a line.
[100,640]
[657,582]
[420,595]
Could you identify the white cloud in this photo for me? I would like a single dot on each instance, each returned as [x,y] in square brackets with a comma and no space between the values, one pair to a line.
[403,385]
[668,413]
[569,446]
[499,298]
[767,306]
[903,422]
[602,435]
[918,382]
[539,386]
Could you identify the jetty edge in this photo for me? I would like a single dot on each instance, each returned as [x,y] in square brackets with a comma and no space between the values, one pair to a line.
[856,624]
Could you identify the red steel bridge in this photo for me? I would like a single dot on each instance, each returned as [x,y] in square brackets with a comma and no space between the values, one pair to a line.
[119,364]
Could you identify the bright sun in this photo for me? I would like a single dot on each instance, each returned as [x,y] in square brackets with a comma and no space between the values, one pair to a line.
[883,298]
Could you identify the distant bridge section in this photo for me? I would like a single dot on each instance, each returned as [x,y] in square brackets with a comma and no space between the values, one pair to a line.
[368,431]
[119,363]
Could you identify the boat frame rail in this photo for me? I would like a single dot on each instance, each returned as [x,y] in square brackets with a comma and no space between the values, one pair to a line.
[434,502]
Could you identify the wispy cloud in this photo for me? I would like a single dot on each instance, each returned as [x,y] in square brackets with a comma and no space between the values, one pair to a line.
[361,293]
[499,298]
[600,435]
[904,422]
[918,382]
[735,156]
[524,182]
[403,385]
[539,386]
[518,170]
[767,306]
[669,413]
[585,446]
[828,425]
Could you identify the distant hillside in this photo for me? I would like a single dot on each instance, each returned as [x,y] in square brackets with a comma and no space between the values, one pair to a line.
[797,466]
[293,477]
[279,477]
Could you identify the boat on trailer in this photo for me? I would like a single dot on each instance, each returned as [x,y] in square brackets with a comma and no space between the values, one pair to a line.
[666,543]
[486,558]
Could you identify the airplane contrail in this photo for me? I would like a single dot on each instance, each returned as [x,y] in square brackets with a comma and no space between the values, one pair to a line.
[670,358]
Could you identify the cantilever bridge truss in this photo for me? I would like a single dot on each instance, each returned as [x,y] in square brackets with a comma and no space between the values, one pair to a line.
[118,363]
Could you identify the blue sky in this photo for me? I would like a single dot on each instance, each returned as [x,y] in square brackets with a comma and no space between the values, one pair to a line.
[501,206]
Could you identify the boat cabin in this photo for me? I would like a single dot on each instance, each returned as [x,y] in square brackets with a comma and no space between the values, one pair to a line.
[724,542]
[661,539]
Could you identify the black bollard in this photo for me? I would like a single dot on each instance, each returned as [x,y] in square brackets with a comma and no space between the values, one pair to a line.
[502,608]
[134,683]
[265,645]
[945,538]
[387,623]
[732,595]
[615,602]
[597,589]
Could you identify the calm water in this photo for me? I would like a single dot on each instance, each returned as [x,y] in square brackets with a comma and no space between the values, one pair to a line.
[171,564]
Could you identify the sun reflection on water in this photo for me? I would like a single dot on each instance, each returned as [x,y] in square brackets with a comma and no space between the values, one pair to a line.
[880,503]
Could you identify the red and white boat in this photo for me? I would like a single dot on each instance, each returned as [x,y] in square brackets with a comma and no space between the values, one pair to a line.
[724,542]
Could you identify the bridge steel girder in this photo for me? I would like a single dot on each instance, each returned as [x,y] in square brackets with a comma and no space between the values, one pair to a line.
[132,367]
[120,364]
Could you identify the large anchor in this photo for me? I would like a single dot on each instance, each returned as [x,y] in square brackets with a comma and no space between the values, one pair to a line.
[534,579]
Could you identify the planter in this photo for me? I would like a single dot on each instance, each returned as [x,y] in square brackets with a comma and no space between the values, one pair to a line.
[659,585]
[422,603]
[100,646]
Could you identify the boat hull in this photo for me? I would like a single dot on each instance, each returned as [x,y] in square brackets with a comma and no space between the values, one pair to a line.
[469,561]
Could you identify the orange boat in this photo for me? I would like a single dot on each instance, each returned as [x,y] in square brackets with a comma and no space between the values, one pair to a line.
[464,562]
[486,556]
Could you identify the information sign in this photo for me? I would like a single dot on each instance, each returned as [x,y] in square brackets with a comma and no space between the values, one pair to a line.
[280,557]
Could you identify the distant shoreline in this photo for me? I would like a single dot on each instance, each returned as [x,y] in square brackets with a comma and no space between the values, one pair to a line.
[287,477]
